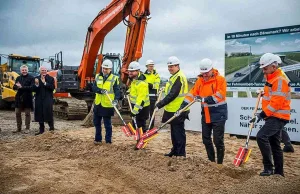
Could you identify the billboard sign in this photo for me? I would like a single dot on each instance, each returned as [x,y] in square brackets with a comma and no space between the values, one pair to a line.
[244,49]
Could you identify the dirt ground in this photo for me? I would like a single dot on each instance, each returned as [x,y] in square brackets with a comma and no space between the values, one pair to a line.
[67,161]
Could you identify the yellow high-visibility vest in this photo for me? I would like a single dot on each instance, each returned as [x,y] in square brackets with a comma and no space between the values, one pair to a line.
[139,93]
[108,86]
[175,104]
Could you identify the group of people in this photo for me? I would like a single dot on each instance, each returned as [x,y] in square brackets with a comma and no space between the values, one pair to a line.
[210,89]
[37,91]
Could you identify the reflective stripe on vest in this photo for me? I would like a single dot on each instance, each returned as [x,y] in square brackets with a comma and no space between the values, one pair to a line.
[175,104]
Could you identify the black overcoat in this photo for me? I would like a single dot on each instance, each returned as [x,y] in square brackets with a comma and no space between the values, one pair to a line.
[43,111]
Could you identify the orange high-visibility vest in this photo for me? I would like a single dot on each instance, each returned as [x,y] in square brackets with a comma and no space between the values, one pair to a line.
[277,96]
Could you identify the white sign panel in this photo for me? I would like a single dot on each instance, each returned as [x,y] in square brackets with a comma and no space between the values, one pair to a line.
[240,111]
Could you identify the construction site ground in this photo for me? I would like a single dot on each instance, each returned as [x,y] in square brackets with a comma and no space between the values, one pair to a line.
[67,161]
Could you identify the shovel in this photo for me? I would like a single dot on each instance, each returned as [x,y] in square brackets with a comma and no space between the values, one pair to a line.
[127,128]
[243,153]
[138,131]
[150,134]
[155,110]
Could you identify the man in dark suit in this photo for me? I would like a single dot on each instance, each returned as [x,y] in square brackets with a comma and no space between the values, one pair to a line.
[23,102]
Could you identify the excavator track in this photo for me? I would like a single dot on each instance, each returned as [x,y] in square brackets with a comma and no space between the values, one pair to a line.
[70,108]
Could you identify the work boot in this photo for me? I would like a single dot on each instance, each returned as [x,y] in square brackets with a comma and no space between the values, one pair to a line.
[220,156]
[210,153]
[288,148]
[266,172]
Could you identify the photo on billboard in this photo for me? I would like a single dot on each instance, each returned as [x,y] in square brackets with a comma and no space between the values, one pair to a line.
[244,49]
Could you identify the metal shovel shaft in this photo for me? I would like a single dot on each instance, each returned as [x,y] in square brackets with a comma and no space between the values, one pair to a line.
[155,110]
[253,116]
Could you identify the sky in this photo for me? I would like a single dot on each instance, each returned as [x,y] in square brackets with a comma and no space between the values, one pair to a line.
[191,30]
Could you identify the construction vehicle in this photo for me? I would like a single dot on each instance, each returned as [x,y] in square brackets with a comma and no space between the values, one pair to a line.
[9,71]
[117,11]
[66,82]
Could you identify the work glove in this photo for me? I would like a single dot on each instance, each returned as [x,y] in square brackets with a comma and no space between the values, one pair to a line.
[183,104]
[260,91]
[199,99]
[102,91]
[258,117]
[114,102]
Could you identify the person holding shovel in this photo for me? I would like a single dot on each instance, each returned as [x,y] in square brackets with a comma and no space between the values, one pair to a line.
[276,113]
[153,80]
[175,90]
[211,89]
[105,84]
[138,96]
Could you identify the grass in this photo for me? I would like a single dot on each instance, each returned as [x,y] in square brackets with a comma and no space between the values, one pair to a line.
[233,64]
[293,56]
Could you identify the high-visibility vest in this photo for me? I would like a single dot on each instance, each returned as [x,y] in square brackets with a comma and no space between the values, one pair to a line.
[139,94]
[108,86]
[277,96]
[175,104]
[154,79]
[215,88]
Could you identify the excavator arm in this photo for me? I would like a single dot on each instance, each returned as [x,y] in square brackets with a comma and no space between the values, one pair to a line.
[105,21]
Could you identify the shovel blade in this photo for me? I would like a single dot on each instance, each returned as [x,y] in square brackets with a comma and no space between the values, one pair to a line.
[126,131]
[150,137]
[240,156]
[247,155]
[140,144]
[138,133]
[131,129]
[149,133]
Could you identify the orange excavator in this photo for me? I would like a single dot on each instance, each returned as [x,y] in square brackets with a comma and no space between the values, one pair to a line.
[134,14]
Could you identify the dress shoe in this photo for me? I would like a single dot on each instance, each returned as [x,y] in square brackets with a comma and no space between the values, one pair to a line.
[266,173]
[39,133]
[97,142]
[17,131]
[288,148]
[169,154]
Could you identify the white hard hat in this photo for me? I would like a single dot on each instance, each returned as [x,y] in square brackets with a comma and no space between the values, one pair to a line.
[278,59]
[205,65]
[267,59]
[133,66]
[107,64]
[173,61]
[149,62]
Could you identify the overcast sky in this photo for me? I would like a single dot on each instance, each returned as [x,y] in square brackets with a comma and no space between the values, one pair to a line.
[191,30]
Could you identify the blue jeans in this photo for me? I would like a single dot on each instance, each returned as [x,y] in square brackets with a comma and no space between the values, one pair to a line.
[107,125]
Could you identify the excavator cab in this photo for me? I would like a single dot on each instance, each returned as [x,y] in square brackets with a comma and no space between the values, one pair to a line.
[116,61]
